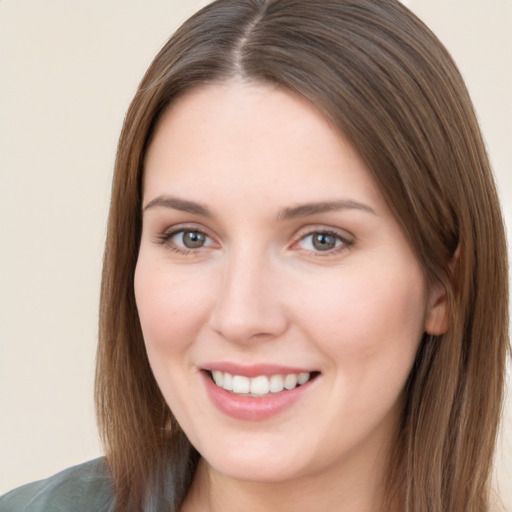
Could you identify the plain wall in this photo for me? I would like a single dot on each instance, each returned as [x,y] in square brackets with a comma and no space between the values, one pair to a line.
[68,70]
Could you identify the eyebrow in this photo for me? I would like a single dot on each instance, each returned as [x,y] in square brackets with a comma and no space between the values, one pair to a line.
[301,210]
[179,204]
[304,210]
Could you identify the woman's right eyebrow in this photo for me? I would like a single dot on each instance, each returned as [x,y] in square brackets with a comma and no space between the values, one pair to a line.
[178,204]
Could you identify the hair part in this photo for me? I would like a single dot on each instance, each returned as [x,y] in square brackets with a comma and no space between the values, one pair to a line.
[385,82]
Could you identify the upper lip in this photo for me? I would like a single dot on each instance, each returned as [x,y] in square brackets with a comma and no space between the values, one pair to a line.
[253,370]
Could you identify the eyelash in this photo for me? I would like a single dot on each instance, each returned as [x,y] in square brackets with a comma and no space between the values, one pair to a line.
[346,243]
[166,239]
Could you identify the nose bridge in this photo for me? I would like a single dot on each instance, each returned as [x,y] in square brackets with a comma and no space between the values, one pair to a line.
[249,303]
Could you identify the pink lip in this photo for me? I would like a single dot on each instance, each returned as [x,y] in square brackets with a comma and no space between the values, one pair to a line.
[253,408]
[252,370]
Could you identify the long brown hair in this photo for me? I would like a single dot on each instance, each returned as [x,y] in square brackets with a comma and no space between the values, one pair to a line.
[384,81]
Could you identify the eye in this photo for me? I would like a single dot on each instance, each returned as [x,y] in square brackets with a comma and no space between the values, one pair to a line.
[190,239]
[184,240]
[323,241]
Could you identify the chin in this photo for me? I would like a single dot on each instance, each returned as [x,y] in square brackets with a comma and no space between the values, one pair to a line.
[258,465]
[262,473]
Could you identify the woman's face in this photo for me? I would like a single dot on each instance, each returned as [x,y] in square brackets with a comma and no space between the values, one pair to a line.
[270,262]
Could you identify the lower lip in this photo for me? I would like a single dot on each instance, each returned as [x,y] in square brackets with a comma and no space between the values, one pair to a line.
[252,408]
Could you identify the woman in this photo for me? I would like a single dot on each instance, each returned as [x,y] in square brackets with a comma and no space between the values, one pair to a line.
[304,246]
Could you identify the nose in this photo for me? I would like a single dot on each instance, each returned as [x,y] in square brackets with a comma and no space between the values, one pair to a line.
[249,305]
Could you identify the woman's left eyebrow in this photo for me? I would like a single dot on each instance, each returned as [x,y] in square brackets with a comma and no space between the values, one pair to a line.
[306,209]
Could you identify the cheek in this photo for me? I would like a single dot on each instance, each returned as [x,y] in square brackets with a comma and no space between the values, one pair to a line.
[170,304]
[369,326]
[171,309]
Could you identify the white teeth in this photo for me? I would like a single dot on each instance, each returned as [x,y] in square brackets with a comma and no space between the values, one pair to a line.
[276,383]
[261,385]
[218,377]
[303,378]
[241,384]
[228,382]
[290,381]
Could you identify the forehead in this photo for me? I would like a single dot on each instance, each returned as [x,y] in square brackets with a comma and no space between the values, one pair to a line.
[245,108]
[248,139]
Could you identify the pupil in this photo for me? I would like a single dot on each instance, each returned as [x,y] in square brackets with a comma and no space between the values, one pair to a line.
[193,239]
[324,242]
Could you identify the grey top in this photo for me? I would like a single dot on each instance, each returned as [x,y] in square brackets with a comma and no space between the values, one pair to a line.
[84,488]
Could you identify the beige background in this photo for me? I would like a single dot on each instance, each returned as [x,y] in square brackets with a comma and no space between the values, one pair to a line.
[68,70]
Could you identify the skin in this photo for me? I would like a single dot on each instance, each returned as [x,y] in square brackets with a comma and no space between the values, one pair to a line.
[259,291]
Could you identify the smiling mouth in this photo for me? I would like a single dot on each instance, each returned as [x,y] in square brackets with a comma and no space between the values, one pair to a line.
[261,385]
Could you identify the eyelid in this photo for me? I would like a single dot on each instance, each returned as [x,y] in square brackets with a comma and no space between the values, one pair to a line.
[346,238]
[165,236]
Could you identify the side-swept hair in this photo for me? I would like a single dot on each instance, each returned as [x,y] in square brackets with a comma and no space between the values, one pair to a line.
[387,84]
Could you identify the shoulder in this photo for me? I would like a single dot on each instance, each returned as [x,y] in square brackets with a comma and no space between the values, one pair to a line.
[83,488]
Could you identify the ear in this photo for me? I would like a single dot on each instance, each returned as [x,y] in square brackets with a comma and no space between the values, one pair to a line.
[437,319]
